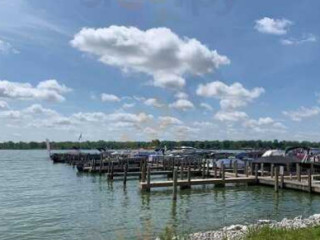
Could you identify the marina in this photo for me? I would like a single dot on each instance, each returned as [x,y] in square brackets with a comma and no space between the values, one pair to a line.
[57,201]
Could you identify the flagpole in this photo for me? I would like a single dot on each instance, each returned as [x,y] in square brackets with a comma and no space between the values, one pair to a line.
[80,137]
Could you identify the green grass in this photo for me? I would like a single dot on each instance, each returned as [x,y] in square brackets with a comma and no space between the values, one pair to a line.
[263,233]
[266,233]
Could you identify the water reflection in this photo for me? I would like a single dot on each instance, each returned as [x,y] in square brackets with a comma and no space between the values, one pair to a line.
[74,206]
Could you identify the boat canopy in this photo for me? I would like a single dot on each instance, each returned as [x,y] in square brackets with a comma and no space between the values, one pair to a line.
[273,153]
[278,160]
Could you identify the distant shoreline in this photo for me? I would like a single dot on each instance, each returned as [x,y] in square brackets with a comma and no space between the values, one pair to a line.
[212,144]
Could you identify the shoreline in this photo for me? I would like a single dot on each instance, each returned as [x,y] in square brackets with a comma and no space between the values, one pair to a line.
[238,231]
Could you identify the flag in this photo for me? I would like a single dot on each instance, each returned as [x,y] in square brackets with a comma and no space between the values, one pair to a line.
[80,137]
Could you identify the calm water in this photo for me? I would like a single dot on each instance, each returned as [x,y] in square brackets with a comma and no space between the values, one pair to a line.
[42,200]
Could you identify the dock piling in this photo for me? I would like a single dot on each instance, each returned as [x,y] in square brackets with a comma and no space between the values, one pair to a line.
[125,174]
[309,180]
[148,179]
[276,183]
[298,171]
[174,192]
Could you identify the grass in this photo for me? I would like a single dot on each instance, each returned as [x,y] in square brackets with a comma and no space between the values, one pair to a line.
[263,233]
[266,233]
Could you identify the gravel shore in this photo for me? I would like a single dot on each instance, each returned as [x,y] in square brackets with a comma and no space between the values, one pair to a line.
[237,232]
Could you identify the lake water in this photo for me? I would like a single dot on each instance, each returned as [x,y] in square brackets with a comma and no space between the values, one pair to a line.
[42,200]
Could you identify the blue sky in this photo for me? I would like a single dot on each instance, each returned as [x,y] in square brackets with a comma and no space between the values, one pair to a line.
[175,70]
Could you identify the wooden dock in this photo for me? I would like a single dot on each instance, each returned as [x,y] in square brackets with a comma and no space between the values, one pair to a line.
[215,181]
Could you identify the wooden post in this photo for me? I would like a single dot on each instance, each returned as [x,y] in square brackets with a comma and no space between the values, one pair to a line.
[256,171]
[272,170]
[262,169]
[298,171]
[276,184]
[101,161]
[181,170]
[189,176]
[203,169]
[110,175]
[312,168]
[282,181]
[174,192]
[125,174]
[143,173]
[222,171]
[93,168]
[309,180]
[208,169]
[246,168]
[148,178]
[251,168]
[236,168]
[215,170]
[288,168]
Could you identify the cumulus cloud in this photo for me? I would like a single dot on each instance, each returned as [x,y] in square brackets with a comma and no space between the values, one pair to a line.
[128,105]
[206,106]
[302,113]
[109,98]
[39,109]
[232,116]
[11,114]
[49,90]
[153,102]
[130,117]
[231,97]
[262,124]
[182,104]
[294,41]
[158,52]
[166,121]
[3,105]
[7,48]
[273,26]
[181,95]
[112,117]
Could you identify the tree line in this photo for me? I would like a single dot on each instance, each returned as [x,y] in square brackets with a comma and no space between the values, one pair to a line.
[255,144]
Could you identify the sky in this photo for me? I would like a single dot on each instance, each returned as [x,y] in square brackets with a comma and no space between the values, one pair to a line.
[130,70]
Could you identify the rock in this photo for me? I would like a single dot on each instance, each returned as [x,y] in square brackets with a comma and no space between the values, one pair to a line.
[237,231]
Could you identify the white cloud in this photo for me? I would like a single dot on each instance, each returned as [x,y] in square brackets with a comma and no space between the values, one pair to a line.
[232,116]
[166,121]
[181,95]
[39,109]
[112,117]
[273,26]
[294,41]
[7,48]
[128,105]
[263,124]
[182,104]
[231,97]
[206,106]
[150,131]
[3,105]
[130,117]
[11,114]
[203,124]
[158,52]
[153,102]
[185,132]
[109,98]
[49,90]
[302,112]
